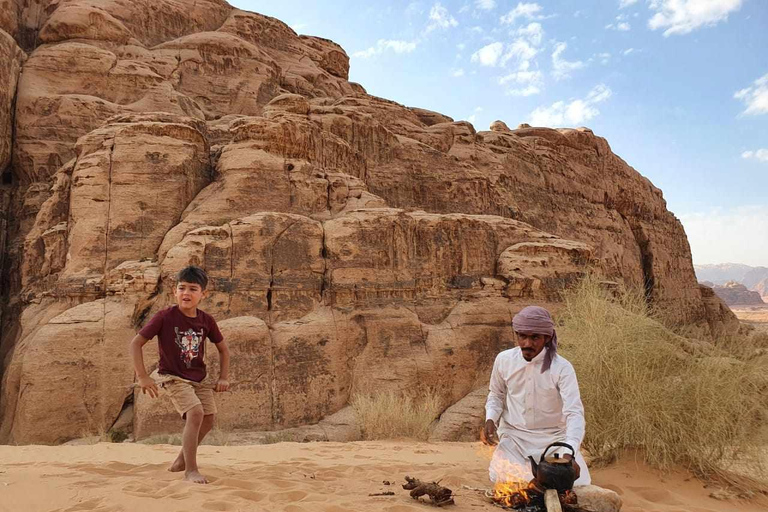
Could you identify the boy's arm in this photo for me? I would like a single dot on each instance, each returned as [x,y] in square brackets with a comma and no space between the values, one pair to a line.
[223,383]
[145,381]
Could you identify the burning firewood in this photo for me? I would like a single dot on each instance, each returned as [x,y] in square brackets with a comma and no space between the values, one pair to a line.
[440,496]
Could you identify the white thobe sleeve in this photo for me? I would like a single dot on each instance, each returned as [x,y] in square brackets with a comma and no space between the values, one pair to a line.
[573,410]
[497,394]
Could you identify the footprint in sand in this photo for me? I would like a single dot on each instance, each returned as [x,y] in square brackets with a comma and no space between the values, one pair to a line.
[248,495]
[218,505]
[287,497]
[235,482]
[655,495]
[92,505]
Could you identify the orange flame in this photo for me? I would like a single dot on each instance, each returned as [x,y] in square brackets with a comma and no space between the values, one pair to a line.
[511,487]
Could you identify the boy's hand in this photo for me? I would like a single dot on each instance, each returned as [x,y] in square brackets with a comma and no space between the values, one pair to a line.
[148,386]
[221,385]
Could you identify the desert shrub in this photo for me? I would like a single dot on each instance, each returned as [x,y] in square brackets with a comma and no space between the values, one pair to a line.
[390,415]
[117,436]
[641,390]
[174,439]
[216,437]
[279,437]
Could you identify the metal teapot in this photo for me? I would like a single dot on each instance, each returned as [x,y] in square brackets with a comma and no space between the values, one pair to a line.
[554,472]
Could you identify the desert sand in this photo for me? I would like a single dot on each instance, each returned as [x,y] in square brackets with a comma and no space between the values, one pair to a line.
[756,316]
[292,477]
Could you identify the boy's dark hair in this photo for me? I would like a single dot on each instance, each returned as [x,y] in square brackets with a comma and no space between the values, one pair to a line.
[193,274]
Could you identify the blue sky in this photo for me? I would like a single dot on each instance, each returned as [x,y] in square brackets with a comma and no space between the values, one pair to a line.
[679,88]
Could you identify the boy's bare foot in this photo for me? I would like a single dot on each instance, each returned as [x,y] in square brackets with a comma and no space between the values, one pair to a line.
[178,465]
[195,477]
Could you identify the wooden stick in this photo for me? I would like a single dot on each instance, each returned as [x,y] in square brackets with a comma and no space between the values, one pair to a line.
[439,495]
[552,501]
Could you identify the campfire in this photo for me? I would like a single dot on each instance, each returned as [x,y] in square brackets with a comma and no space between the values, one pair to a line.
[513,491]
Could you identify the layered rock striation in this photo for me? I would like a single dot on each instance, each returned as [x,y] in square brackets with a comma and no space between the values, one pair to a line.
[353,243]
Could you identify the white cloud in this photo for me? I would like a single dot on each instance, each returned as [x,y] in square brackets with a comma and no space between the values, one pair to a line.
[628,51]
[461,46]
[473,117]
[485,5]
[761,155]
[604,57]
[755,97]
[736,235]
[572,113]
[521,52]
[532,32]
[439,17]
[522,83]
[626,3]
[622,24]
[685,16]
[457,72]
[383,45]
[488,55]
[523,10]
[562,68]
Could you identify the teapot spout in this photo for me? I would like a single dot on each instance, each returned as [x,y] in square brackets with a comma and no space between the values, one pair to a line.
[534,466]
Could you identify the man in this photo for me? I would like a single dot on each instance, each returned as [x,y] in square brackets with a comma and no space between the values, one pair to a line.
[533,399]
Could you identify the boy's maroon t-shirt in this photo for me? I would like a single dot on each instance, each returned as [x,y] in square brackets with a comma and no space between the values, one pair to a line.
[181,341]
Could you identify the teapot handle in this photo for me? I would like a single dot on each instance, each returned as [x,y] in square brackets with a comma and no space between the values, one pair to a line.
[564,445]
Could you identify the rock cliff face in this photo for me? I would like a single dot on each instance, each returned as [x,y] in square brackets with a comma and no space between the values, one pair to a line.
[736,294]
[352,243]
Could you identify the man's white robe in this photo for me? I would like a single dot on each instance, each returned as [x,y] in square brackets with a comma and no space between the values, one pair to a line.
[532,409]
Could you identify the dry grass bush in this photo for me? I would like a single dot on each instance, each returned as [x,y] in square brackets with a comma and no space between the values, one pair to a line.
[216,437]
[391,415]
[642,390]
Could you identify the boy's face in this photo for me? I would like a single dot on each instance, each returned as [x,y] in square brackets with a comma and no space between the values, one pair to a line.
[188,295]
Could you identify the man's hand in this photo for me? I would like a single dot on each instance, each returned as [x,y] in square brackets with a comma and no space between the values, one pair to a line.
[576,467]
[148,386]
[489,436]
[221,385]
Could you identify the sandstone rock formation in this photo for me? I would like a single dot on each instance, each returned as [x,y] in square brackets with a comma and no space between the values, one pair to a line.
[352,242]
[736,294]
[721,319]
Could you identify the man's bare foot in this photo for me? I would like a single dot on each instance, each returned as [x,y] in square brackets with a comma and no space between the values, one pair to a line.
[195,477]
[178,465]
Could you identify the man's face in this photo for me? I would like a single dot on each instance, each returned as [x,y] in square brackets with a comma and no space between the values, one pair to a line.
[188,295]
[531,344]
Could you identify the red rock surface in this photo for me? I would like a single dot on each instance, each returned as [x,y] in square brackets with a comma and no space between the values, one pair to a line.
[353,243]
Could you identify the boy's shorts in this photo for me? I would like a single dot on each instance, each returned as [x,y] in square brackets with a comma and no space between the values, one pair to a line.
[186,394]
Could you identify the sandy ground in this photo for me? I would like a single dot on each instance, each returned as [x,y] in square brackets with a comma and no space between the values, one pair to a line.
[291,477]
[756,316]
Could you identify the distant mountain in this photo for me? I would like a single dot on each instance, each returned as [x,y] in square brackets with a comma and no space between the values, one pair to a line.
[762,288]
[721,273]
[736,294]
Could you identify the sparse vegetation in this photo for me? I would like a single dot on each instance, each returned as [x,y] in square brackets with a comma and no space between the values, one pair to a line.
[215,437]
[644,387]
[391,415]
[279,437]
[117,436]
[174,439]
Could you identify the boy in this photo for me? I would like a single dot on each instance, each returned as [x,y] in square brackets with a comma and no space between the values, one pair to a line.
[181,331]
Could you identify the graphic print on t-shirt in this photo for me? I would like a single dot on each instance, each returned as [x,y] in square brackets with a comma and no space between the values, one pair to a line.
[189,343]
